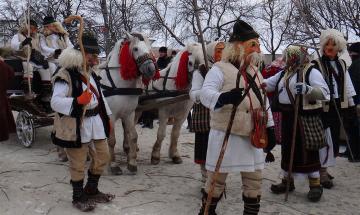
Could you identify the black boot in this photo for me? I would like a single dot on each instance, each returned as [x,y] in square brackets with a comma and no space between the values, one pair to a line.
[213,204]
[92,191]
[251,205]
[281,188]
[45,95]
[80,200]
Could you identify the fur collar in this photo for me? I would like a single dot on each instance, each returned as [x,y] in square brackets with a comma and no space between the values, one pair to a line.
[70,58]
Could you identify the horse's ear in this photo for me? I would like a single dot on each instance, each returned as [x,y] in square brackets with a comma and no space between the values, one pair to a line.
[128,35]
[152,41]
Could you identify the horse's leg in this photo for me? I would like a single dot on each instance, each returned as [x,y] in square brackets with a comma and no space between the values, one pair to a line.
[175,133]
[114,167]
[155,155]
[126,146]
[130,132]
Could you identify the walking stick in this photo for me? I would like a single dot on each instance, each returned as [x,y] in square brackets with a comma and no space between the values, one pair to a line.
[225,142]
[28,50]
[196,9]
[68,20]
[292,150]
[297,4]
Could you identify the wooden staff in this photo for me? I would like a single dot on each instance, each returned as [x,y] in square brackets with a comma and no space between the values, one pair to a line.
[68,20]
[196,10]
[292,149]
[28,50]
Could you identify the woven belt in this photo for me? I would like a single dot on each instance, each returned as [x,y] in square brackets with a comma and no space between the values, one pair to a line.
[92,112]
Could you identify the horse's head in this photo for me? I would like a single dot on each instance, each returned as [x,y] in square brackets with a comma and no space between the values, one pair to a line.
[196,56]
[140,50]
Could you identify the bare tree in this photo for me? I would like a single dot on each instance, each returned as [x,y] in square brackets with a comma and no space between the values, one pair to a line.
[275,18]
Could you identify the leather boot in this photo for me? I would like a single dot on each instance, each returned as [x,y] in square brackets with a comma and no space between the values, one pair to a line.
[80,200]
[213,204]
[92,191]
[325,178]
[316,190]
[251,205]
[281,187]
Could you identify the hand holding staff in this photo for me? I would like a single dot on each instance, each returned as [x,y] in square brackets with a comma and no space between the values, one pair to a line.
[68,20]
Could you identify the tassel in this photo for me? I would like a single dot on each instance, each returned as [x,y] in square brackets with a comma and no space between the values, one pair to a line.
[128,68]
[181,79]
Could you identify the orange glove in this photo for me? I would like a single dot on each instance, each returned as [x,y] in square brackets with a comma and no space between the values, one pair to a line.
[84,98]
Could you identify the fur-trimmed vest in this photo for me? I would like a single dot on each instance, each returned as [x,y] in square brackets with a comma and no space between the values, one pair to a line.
[66,130]
[243,122]
[341,66]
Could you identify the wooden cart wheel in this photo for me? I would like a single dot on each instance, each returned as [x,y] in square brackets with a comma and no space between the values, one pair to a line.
[25,128]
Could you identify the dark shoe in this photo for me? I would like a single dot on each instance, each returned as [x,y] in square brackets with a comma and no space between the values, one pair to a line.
[80,200]
[92,191]
[325,179]
[251,205]
[100,197]
[281,188]
[84,204]
[327,184]
[213,204]
[315,193]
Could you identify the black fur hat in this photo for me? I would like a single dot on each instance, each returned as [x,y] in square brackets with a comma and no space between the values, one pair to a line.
[90,43]
[48,20]
[242,31]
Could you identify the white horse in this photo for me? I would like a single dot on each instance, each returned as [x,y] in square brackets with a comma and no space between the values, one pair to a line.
[193,58]
[129,62]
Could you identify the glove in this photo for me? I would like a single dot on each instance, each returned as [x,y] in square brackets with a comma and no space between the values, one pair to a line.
[269,157]
[84,98]
[302,88]
[231,97]
[271,139]
[27,41]
[57,52]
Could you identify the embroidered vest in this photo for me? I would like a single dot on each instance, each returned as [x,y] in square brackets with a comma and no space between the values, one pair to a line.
[243,123]
[344,100]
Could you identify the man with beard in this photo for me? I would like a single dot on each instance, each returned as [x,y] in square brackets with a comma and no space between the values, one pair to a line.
[300,79]
[54,41]
[80,134]
[220,93]
[21,43]
[332,45]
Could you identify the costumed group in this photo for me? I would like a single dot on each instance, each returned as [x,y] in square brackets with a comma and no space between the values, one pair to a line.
[320,88]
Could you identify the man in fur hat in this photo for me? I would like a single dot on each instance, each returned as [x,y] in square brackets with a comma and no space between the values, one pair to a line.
[55,39]
[79,134]
[299,78]
[21,43]
[334,70]
[220,93]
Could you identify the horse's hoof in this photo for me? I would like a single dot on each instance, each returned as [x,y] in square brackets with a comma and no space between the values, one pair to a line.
[177,160]
[155,160]
[132,168]
[116,170]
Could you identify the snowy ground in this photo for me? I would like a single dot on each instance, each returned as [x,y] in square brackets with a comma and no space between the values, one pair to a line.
[33,182]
